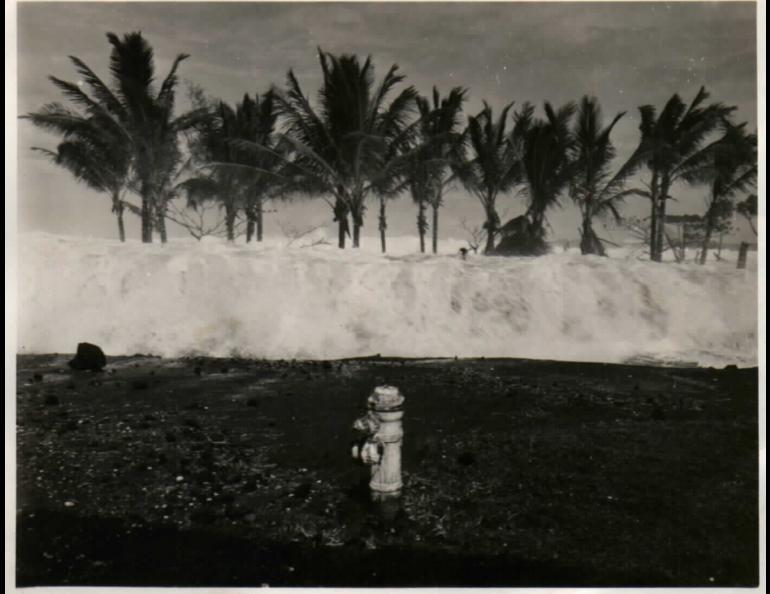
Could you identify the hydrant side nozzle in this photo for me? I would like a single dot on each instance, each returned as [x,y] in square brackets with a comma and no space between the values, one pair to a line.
[367,424]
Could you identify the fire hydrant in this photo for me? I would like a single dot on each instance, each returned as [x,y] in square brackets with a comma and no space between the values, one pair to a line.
[383,436]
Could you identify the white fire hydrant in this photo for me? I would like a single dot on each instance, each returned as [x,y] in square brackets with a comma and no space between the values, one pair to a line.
[381,447]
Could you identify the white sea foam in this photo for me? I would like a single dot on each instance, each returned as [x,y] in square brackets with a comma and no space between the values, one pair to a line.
[315,301]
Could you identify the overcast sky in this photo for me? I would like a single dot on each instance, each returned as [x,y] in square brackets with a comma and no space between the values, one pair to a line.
[626,54]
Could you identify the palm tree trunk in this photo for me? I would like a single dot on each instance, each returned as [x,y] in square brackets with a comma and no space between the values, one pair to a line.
[743,252]
[341,217]
[383,224]
[230,223]
[342,232]
[146,216]
[435,228]
[358,222]
[118,209]
[251,221]
[356,234]
[422,224]
[161,222]
[121,226]
[589,241]
[707,234]
[653,214]
[659,231]
[491,227]
[260,218]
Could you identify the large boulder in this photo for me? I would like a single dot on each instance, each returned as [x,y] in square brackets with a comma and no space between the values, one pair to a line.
[89,357]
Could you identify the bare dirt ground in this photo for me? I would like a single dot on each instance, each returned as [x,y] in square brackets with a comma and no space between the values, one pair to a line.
[212,472]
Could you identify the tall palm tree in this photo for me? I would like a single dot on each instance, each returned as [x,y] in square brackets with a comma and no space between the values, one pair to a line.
[593,187]
[420,182]
[429,167]
[256,122]
[730,168]
[92,150]
[148,116]
[672,145]
[220,184]
[140,116]
[545,148]
[490,167]
[342,147]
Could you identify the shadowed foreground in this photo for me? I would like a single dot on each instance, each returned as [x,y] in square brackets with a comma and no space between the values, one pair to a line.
[213,472]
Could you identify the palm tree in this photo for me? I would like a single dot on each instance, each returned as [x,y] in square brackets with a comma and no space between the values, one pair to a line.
[730,169]
[593,187]
[672,146]
[419,182]
[93,151]
[140,117]
[214,158]
[429,167]
[148,117]
[490,168]
[255,124]
[545,147]
[341,149]
[748,209]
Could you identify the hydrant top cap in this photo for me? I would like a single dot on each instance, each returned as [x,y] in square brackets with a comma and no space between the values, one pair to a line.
[386,397]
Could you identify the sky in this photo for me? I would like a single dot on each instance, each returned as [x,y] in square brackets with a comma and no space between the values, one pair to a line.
[626,54]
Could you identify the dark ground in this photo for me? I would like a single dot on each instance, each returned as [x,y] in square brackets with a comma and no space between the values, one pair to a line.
[517,473]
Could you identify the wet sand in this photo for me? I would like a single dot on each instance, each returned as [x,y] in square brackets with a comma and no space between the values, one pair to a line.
[220,472]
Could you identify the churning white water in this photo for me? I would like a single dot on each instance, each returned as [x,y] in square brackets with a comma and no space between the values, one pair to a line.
[315,301]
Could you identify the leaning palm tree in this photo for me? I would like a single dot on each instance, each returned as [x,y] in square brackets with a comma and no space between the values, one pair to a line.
[730,169]
[341,148]
[490,167]
[672,146]
[141,116]
[92,150]
[593,186]
[429,170]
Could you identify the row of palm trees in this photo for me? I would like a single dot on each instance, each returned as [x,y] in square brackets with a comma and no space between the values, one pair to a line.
[364,140]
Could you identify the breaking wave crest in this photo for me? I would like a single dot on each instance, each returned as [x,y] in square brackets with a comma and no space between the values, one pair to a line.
[318,302]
